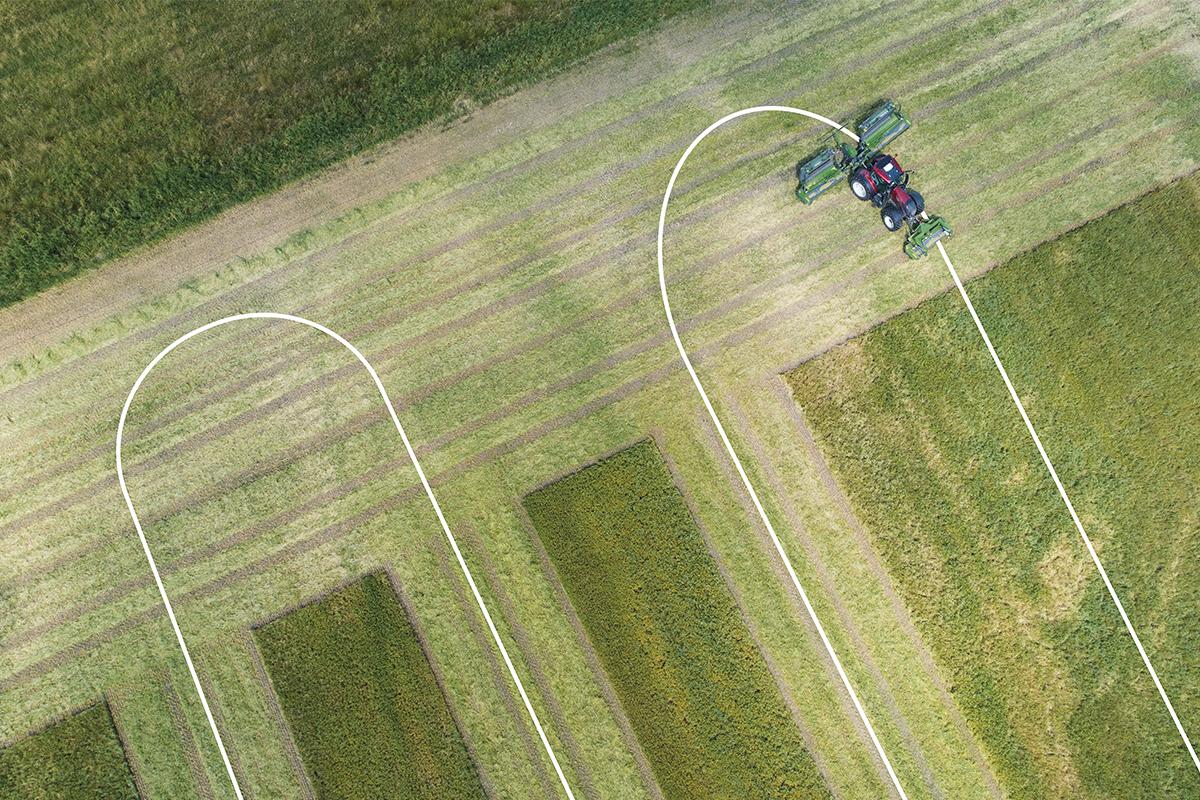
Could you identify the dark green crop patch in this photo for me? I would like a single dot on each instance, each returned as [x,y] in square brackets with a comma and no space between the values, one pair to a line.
[667,630]
[1100,333]
[126,121]
[367,712]
[80,758]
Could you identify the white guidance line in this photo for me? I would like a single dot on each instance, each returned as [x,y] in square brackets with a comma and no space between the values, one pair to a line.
[762,513]
[737,462]
[437,509]
[1062,492]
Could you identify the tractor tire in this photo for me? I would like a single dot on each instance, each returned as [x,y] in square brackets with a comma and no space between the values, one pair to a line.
[860,185]
[920,201]
[893,218]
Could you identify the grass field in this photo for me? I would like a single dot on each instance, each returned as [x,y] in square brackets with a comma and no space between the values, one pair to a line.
[510,304]
[668,632]
[191,108]
[361,699]
[1099,332]
[79,758]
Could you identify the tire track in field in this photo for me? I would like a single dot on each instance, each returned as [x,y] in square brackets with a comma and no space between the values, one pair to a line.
[214,706]
[183,732]
[776,674]
[548,282]
[366,420]
[443,203]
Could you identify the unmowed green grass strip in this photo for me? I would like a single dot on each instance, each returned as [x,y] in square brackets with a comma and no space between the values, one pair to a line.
[367,712]
[1099,333]
[193,111]
[79,758]
[668,632]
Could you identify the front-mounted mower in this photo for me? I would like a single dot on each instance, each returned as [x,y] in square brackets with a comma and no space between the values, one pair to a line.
[875,176]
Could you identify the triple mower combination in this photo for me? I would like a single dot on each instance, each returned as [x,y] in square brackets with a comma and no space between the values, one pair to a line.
[875,176]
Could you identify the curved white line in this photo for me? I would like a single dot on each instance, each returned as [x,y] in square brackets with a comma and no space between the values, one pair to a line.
[737,462]
[662,282]
[424,483]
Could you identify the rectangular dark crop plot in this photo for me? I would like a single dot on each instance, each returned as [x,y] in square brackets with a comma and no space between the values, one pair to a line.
[367,712]
[669,634]
[79,758]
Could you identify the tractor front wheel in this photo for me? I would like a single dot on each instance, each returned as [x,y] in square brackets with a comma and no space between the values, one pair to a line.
[860,185]
[893,218]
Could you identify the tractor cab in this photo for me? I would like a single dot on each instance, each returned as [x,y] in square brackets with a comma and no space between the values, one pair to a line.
[876,178]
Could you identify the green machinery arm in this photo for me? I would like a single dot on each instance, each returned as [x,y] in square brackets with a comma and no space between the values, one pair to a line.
[924,235]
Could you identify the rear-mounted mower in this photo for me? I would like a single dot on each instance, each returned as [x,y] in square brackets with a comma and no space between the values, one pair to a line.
[874,176]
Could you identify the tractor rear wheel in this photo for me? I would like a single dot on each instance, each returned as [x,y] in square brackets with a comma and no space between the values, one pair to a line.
[920,201]
[893,218]
[860,185]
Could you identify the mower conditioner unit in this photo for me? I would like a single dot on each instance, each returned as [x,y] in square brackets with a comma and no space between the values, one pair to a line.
[819,173]
[881,126]
[924,235]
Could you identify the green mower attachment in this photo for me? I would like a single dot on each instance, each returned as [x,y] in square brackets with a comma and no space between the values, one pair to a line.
[885,122]
[819,173]
[924,235]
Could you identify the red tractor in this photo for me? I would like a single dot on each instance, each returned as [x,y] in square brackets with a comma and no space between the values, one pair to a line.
[873,175]
[882,181]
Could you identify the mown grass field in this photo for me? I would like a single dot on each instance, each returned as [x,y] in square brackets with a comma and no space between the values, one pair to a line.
[510,303]
[1099,332]
[130,121]
[669,633]
[362,701]
[78,758]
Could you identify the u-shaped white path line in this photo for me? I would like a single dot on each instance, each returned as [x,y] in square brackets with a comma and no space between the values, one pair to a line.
[687,362]
[437,509]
